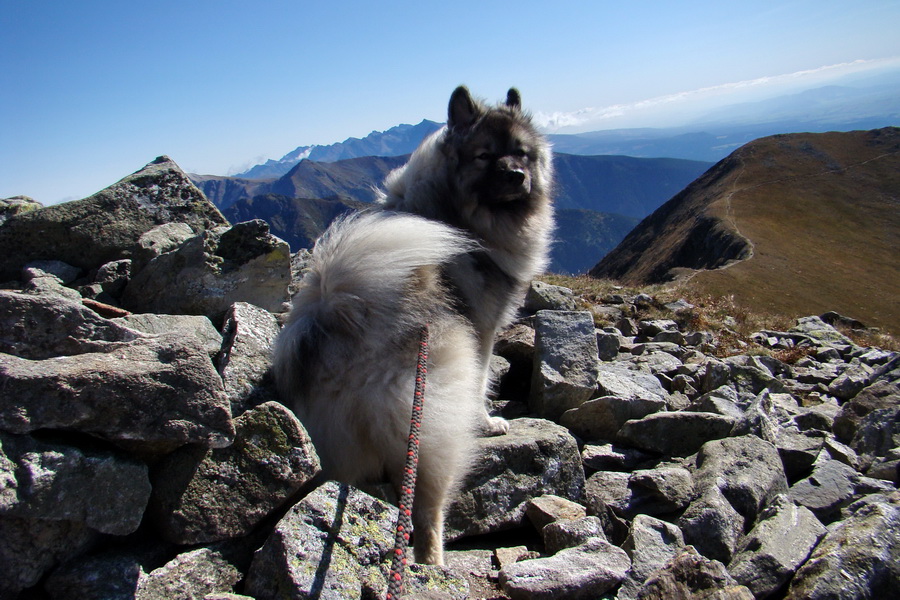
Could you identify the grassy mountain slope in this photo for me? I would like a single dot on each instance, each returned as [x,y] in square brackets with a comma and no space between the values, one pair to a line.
[803,223]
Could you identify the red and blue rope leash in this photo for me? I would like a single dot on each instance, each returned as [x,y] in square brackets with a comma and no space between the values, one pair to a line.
[404,518]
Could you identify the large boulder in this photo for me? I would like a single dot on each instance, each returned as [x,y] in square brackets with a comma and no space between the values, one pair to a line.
[565,362]
[208,273]
[203,496]
[858,557]
[152,393]
[104,490]
[105,227]
[535,458]
[336,543]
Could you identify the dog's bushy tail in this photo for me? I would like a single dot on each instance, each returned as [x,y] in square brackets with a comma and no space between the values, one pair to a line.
[373,270]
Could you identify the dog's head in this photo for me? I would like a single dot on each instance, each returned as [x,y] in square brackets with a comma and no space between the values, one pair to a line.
[500,158]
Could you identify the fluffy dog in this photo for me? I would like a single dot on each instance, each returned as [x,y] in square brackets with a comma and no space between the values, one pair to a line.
[462,229]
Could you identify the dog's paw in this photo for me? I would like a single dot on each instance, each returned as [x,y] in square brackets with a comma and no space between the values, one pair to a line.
[494,426]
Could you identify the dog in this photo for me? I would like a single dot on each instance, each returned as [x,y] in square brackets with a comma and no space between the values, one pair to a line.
[455,238]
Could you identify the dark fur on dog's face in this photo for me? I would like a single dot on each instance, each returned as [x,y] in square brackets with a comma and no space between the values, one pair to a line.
[498,155]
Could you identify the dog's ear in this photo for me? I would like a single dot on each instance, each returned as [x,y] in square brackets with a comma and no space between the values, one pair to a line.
[462,111]
[513,98]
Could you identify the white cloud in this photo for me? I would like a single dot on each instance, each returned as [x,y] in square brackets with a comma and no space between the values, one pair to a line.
[653,109]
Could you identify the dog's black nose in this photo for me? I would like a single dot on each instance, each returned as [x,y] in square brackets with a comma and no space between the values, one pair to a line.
[515,176]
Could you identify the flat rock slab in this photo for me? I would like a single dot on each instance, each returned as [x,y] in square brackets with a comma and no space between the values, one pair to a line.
[679,433]
[153,394]
[586,571]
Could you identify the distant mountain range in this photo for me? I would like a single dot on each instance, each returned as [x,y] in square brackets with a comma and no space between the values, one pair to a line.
[397,141]
[607,196]
[789,224]
[868,105]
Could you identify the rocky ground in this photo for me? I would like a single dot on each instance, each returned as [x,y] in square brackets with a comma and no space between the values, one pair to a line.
[143,453]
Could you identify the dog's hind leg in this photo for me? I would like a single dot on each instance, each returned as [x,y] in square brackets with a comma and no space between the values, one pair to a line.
[432,488]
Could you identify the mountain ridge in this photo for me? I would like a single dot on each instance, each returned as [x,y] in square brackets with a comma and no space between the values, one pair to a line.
[800,221]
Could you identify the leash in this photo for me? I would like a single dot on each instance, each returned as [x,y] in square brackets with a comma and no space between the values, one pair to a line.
[404,518]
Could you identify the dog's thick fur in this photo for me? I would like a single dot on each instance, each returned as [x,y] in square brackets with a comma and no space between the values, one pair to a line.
[463,228]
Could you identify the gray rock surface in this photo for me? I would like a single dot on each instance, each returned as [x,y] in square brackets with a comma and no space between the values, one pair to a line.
[203,496]
[565,362]
[774,549]
[211,271]
[154,393]
[858,558]
[586,571]
[106,491]
[535,458]
[105,227]
[246,357]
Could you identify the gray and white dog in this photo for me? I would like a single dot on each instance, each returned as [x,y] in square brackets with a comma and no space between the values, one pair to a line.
[461,230]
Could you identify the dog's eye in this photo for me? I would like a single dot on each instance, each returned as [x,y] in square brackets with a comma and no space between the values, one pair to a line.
[484,156]
[521,152]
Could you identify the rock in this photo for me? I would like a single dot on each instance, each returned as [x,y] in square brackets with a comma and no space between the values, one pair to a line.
[690,576]
[10,207]
[335,543]
[661,490]
[565,362]
[608,345]
[154,393]
[110,576]
[675,433]
[42,327]
[586,571]
[107,492]
[189,576]
[159,240]
[617,380]
[798,452]
[882,394]
[602,418]
[650,544]
[327,545]
[857,558]
[852,381]
[543,510]
[29,548]
[63,271]
[508,556]
[106,226]
[771,553]
[535,458]
[877,435]
[609,457]
[746,469]
[210,272]
[112,276]
[651,327]
[829,488]
[821,332]
[544,296]
[197,326]
[735,478]
[568,533]
[203,496]
[249,333]
[713,525]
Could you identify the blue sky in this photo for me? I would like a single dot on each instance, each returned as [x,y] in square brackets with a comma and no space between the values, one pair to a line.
[93,90]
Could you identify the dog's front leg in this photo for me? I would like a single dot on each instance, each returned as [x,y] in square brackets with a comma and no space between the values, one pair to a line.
[490,426]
